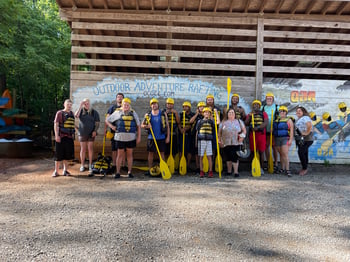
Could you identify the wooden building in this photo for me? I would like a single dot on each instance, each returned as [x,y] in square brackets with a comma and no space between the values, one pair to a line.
[187,49]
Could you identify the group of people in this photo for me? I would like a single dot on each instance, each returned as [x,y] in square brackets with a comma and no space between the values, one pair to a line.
[201,132]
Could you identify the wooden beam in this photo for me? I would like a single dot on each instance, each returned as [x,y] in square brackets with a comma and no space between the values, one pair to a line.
[279,6]
[200,6]
[155,64]
[306,47]
[341,8]
[299,23]
[259,58]
[310,6]
[246,8]
[102,15]
[165,52]
[295,6]
[262,6]
[307,70]
[307,35]
[164,29]
[308,58]
[163,41]
[325,7]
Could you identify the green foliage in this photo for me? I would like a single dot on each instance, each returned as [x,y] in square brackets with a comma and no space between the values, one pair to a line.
[35,56]
[326,163]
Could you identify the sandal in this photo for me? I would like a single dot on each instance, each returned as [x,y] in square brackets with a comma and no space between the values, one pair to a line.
[288,173]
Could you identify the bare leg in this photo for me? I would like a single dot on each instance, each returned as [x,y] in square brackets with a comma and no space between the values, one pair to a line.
[90,152]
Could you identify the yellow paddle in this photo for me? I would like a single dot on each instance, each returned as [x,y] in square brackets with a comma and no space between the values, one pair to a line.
[171,161]
[256,172]
[229,84]
[205,163]
[164,169]
[218,160]
[270,162]
[183,164]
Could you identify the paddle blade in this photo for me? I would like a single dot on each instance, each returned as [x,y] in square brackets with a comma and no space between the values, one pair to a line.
[218,164]
[164,170]
[177,161]
[171,164]
[205,163]
[183,166]
[256,172]
[270,163]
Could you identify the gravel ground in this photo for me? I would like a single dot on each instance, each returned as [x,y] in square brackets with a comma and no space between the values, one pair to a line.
[184,219]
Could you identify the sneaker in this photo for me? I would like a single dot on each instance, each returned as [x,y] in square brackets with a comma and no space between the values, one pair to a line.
[66,173]
[117,175]
[237,175]
[262,172]
[210,174]
[131,175]
[90,169]
[54,174]
[288,173]
[82,169]
[201,174]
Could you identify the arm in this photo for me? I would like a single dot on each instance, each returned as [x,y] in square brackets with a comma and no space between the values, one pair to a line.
[193,118]
[291,132]
[77,113]
[138,139]
[167,139]
[308,129]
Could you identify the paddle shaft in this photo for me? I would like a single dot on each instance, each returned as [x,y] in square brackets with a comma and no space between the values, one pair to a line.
[229,84]
[217,145]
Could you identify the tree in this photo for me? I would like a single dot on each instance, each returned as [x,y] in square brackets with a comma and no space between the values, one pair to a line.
[35,57]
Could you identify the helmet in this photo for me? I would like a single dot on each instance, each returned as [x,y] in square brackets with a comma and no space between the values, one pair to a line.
[207,109]
[326,116]
[155,171]
[201,104]
[127,100]
[312,115]
[210,96]
[269,94]
[283,108]
[186,103]
[256,102]
[235,95]
[341,105]
[170,101]
[153,100]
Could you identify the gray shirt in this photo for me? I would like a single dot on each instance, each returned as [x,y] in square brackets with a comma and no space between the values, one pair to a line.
[87,122]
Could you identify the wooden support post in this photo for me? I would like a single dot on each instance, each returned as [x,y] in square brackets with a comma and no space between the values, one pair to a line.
[259,58]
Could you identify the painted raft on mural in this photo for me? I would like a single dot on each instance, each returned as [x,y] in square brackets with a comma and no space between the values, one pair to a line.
[324,99]
[327,102]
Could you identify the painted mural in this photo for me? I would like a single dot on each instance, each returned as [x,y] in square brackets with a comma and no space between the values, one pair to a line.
[327,101]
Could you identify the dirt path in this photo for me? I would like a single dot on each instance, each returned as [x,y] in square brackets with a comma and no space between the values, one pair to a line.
[184,219]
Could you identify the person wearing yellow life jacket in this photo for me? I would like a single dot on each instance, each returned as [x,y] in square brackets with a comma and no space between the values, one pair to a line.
[64,128]
[283,131]
[268,107]
[126,125]
[239,111]
[117,104]
[187,131]
[260,122]
[194,120]
[158,120]
[172,114]
[89,122]
[205,131]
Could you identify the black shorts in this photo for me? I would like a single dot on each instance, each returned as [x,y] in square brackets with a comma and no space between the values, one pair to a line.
[231,153]
[114,145]
[175,146]
[65,149]
[151,147]
[127,144]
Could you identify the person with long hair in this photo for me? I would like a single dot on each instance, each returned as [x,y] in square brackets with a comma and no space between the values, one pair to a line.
[89,122]
[232,132]
[303,137]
